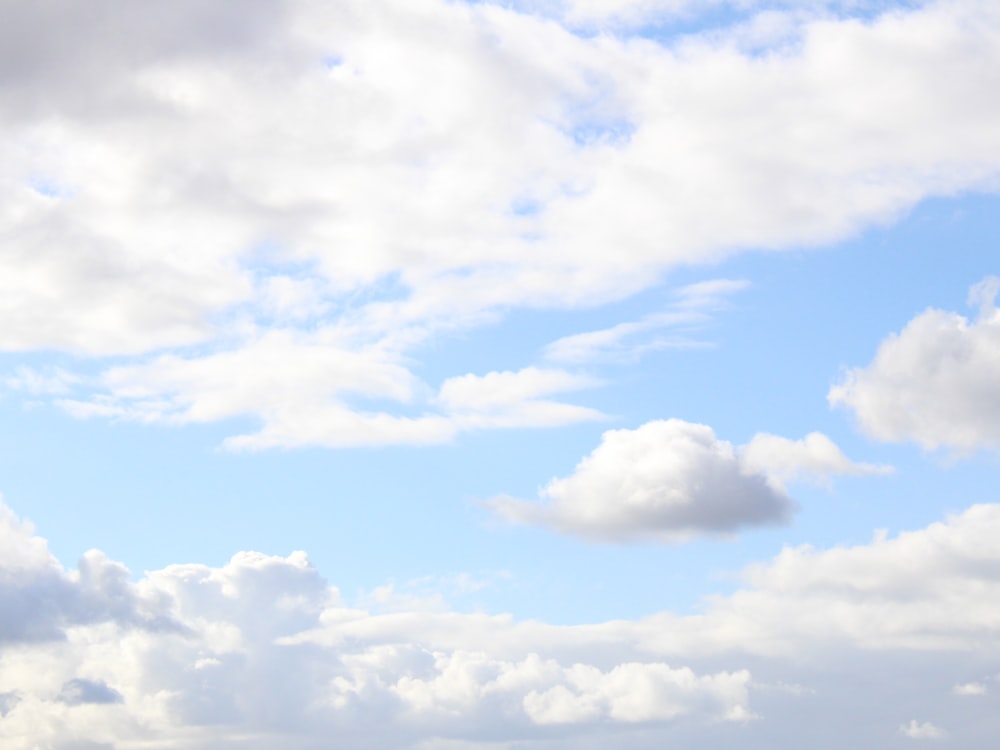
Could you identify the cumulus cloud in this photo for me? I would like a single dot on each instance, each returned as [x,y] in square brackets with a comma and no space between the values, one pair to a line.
[238,667]
[936,382]
[266,652]
[39,599]
[387,172]
[669,480]
[637,693]
[813,457]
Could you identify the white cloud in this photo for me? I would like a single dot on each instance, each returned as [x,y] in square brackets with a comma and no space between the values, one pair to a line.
[513,399]
[637,693]
[690,311]
[970,688]
[235,665]
[263,651]
[936,382]
[932,589]
[813,457]
[669,480]
[922,731]
[314,390]
[397,170]
[50,381]
[666,480]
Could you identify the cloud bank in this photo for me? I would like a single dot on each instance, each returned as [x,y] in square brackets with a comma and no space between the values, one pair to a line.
[343,185]
[263,651]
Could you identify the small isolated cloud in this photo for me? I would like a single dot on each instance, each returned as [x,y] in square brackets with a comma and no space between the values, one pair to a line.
[669,480]
[970,688]
[666,480]
[814,457]
[922,731]
[672,328]
[936,382]
[77,691]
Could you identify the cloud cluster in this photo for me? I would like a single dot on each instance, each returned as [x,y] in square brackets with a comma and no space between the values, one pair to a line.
[263,651]
[342,184]
[936,382]
[668,480]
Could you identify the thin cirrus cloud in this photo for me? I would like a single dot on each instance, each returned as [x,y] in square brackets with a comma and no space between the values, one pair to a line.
[670,480]
[222,674]
[364,169]
[936,382]
[675,327]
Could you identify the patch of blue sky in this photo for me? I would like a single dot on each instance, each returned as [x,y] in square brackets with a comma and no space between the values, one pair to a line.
[526,206]
[332,61]
[602,133]
[672,24]
[50,188]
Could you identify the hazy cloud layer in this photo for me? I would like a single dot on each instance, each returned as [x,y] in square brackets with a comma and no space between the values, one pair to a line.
[669,480]
[264,652]
[188,188]
[936,382]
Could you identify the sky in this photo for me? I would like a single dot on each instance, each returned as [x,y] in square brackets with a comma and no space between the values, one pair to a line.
[530,375]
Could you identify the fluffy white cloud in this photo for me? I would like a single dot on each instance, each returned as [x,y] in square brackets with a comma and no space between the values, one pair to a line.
[936,382]
[669,480]
[263,651]
[813,457]
[394,170]
[666,480]
[235,668]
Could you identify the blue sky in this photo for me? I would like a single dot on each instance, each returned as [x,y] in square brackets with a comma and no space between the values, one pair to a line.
[441,375]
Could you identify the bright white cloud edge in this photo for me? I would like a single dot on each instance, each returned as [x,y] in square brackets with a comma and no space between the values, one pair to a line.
[936,382]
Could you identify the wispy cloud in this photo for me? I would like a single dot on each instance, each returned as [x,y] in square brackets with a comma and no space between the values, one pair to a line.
[677,327]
